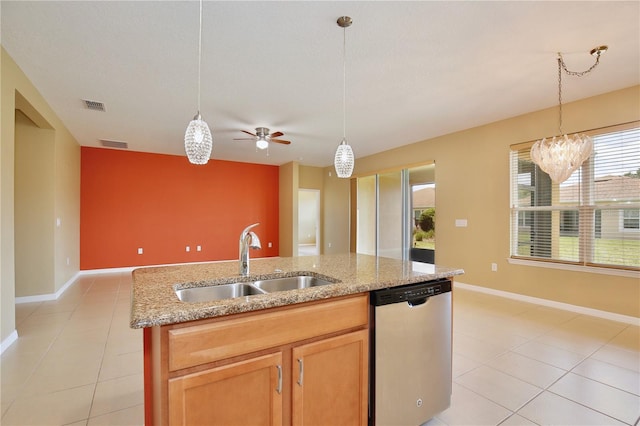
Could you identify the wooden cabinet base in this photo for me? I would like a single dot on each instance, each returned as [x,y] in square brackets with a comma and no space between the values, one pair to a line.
[197,374]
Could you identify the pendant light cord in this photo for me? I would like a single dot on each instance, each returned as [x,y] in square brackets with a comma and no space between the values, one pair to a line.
[562,66]
[344,83]
[199,55]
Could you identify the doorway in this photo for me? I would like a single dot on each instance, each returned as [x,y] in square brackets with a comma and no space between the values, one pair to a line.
[308,222]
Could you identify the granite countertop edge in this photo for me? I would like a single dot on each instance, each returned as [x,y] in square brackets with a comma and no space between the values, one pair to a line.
[154,302]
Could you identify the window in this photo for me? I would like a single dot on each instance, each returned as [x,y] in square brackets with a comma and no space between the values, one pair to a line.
[593,218]
[631,219]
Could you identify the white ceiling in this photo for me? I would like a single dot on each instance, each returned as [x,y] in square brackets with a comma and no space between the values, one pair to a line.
[415,70]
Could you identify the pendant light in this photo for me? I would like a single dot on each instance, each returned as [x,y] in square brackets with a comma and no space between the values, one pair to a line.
[344,160]
[562,155]
[197,138]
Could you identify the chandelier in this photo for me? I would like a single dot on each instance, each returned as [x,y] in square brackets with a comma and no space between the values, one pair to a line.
[197,138]
[344,160]
[562,155]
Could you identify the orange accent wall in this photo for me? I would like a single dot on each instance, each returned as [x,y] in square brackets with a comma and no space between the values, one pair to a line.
[162,203]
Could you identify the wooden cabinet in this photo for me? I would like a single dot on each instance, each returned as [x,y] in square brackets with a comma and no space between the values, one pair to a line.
[331,381]
[247,392]
[304,364]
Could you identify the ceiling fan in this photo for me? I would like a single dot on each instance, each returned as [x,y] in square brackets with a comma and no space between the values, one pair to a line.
[262,137]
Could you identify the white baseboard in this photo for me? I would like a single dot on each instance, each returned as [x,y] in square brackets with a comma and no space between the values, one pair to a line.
[8,341]
[552,304]
[48,296]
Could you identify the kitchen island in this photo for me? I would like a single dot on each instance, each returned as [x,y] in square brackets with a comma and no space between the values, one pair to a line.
[287,357]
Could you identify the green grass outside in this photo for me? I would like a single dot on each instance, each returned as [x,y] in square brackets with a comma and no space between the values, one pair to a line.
[606,251]
[425,244]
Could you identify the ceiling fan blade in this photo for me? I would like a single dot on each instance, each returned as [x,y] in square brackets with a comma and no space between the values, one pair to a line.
[280,141]
[249,133]
[276,134]
[244,139]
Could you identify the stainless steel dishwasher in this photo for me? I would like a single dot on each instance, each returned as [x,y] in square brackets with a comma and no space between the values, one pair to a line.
[410,379]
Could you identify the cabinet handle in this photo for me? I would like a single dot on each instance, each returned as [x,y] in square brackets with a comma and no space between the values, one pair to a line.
[279,387]
[300,371]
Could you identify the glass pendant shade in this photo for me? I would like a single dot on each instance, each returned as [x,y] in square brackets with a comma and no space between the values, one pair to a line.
[198,141]
[343,161]
[560,156]
[262,143]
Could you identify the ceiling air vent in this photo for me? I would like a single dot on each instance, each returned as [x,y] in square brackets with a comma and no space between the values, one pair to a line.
[114,144]
[94,105]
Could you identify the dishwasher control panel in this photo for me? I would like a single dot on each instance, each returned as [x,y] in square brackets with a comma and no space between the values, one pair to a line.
[410,292]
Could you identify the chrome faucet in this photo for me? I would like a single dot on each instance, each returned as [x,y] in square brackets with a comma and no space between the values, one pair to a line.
[248,239]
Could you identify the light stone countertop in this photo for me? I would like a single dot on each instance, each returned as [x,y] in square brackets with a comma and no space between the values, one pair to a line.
[154,301]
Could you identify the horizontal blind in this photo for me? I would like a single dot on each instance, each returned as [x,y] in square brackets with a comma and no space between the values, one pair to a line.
[593,218]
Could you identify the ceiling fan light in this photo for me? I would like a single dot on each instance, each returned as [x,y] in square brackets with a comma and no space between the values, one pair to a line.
[198,141]
[262,143]
[344,160]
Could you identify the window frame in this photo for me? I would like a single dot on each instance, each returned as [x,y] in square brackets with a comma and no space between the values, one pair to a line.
[588,211]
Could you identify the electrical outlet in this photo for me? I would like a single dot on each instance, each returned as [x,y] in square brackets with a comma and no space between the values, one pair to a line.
[139,250]
[494,267]
[68,261]
[58,222]
[270,244]
[329,245]
[461,223]
[198,248]
[188,248]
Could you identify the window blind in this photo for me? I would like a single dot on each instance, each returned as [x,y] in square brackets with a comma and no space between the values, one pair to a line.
[593,218]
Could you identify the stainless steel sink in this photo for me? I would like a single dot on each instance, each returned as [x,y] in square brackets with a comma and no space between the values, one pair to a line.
[290,283]
[217,292]
[250,288]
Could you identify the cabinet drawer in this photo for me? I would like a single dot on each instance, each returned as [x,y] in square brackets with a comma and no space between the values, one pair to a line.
[200,344]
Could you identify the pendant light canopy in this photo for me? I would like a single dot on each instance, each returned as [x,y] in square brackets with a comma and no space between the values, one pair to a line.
[562,155]
[344,160]
[198,141]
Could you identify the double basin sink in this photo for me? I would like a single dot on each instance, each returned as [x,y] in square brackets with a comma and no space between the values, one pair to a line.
[251,288]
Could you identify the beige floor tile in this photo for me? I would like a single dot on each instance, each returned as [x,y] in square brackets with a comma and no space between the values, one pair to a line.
[628,339]
[56,408]
[516,420]
[548,316]
[527,369]
[589,326]
[133,416]
[613,402]
[434,422]
[617,356]
[469,408]
[550,354]
[120,365]
[609,374]
[118,394]
[498,387]
[61,376]
[551,409]
[476,349]
[462,364]
[573,342]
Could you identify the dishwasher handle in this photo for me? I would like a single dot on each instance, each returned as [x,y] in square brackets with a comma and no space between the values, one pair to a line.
[417,301]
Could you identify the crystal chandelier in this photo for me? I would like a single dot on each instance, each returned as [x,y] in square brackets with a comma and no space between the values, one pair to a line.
[344,160]
[562,155]
[197,138]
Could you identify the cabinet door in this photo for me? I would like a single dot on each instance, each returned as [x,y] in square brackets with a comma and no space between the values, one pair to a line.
[330,380]
[245,393]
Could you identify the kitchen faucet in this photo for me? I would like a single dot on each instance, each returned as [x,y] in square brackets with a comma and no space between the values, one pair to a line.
[248,239]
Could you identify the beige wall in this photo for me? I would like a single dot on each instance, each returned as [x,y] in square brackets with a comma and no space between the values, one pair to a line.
[472,177]
[17,92]
[288,208]
[33,207]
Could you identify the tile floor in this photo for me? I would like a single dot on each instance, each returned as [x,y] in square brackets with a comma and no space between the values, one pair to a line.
[77,362]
